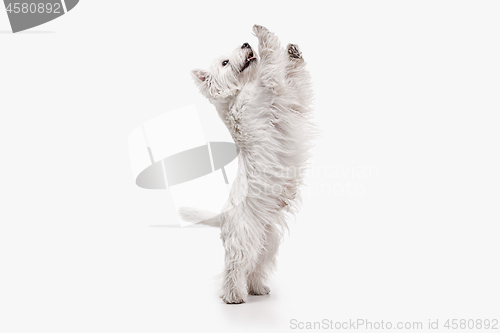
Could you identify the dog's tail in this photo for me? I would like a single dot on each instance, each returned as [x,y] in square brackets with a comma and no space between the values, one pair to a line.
[200,216]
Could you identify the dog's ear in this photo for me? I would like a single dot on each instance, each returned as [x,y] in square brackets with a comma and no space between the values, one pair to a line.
[204,82]
[199,75]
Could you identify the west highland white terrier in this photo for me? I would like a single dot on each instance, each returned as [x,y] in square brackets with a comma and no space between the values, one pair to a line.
[264,100]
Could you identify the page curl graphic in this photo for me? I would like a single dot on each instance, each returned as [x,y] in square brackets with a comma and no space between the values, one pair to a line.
[170,152]
[26,14]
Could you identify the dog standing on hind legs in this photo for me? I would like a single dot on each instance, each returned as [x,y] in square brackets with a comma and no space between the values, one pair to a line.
[264,100]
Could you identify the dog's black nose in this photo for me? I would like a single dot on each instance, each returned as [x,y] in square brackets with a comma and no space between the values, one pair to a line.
[245,46]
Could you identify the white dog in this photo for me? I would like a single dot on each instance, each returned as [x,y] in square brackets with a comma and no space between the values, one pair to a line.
[264,100]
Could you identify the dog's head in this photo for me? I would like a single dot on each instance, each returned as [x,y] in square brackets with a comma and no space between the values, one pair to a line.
[227,74]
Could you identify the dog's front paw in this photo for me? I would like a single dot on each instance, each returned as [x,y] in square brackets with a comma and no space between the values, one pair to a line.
[267,40]
[293,51]
[259,290]
[259,30]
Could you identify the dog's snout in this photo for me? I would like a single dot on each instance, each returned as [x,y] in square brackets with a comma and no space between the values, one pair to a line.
[245,46]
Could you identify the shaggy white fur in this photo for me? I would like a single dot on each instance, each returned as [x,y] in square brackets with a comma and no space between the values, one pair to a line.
[265,102]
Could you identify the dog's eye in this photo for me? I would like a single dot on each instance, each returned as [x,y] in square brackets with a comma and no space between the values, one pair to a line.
[225,62]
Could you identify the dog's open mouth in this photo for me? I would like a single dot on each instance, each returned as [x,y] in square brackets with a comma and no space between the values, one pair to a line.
[250,58]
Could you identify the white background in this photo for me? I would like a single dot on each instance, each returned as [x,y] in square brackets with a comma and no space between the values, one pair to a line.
[409,90]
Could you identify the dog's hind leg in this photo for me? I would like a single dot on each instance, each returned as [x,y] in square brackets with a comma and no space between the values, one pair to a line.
[243,246]
[233,287]
[266,263]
